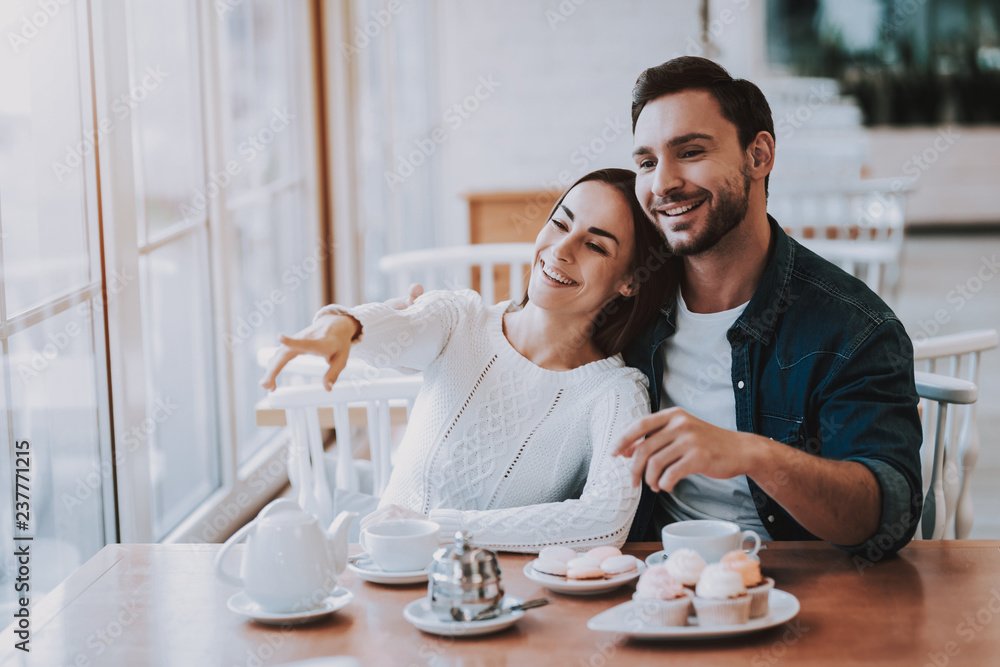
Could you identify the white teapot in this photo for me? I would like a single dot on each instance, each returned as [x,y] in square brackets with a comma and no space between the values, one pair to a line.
[290,564]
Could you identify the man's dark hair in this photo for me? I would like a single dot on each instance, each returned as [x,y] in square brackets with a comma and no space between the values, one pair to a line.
[742,102]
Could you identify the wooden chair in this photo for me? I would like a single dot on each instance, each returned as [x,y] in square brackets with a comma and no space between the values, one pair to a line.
[480,266]
[356,485]
[956,356]
[939,506]
[857,225]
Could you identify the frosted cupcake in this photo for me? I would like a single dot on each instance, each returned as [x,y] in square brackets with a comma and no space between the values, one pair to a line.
[758,586]
[661,599]
[685,565]
[720,597]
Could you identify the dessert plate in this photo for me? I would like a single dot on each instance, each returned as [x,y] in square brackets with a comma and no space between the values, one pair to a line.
[627,619]
[243,605]
[581,586]
[419,614]
[363,566]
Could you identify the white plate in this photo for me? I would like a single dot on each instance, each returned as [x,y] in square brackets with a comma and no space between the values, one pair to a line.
[581,586]
[243,605]
[363,566]
[419,614]
[625,619]
[660,557]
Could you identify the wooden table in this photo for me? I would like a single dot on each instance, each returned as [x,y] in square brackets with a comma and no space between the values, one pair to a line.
[938,604]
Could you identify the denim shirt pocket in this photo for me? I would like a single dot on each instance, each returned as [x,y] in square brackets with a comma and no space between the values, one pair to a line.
[786,429]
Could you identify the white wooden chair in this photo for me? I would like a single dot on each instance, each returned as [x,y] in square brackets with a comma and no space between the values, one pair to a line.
[351,488]
[453,268]
[857,225]
[939,505]
[956,356]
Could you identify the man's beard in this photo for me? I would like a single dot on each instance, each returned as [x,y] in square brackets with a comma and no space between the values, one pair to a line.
[729,209]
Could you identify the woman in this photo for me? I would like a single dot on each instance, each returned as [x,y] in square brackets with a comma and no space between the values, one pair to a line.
[512,433]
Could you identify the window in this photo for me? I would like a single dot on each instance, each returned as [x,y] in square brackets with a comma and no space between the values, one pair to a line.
[159,221]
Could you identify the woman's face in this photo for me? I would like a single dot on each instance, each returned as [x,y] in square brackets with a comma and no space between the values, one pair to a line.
[582,254]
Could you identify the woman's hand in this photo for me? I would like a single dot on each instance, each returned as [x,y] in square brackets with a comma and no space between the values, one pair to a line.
[329,336]
[389,513]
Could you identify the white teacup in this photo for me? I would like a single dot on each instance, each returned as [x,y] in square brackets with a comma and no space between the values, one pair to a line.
[711,539]
[401,545]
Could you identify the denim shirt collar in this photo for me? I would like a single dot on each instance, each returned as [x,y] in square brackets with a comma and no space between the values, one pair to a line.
[769,300]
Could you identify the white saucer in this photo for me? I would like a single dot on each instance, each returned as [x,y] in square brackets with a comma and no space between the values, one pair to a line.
[581,586]
[660,557]
[243,605]
[626,619]
[419,614]
[363,566]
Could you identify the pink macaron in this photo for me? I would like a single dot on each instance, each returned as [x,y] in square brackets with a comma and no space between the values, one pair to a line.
[618,565]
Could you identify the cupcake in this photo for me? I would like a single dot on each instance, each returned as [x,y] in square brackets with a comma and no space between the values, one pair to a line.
[720,597]
[661,599]
[685,565]
[758,586]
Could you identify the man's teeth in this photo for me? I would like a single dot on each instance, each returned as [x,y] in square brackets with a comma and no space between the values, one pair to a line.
[681,209]
[556,277]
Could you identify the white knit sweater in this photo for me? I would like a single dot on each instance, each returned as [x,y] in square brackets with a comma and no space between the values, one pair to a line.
[516,454]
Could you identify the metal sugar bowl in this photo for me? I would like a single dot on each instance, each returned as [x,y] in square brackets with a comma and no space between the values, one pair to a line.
[464,581]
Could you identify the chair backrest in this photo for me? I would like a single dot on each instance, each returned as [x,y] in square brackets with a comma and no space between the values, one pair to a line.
[485,267]
[957,356]
[349,397]
[948,466]
[857,225]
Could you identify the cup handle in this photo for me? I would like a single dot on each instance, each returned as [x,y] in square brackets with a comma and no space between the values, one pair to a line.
[755,538]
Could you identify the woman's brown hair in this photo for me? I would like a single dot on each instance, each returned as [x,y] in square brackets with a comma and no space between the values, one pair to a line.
[654,271]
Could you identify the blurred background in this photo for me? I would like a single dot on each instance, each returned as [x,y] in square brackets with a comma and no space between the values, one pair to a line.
[181,181]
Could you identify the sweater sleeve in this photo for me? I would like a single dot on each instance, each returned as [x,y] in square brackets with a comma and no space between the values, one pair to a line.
[603,512]
[413,337]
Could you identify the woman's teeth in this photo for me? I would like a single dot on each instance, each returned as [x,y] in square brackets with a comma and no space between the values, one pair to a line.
[557,277]
[682,209]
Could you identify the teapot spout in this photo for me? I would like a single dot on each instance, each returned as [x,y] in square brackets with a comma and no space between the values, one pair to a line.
[337,538]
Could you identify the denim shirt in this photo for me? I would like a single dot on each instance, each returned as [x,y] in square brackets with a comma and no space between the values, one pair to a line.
[821,364]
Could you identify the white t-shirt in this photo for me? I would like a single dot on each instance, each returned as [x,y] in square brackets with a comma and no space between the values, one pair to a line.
[697,377]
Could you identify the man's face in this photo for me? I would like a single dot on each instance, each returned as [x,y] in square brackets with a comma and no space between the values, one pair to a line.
[693,177]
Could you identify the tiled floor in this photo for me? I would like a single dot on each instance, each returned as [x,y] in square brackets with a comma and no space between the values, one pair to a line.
[933,267]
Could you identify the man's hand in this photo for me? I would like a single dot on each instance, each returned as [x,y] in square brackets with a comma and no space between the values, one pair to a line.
[387,514]
[330,337]
[404,302]
[670,444]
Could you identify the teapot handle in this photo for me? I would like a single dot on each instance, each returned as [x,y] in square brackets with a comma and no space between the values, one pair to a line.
[270,508]
[220,557]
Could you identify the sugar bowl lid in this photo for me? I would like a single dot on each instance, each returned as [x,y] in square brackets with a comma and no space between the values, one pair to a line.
[464,563]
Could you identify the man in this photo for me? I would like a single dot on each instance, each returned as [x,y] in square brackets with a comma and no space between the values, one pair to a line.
[782,403]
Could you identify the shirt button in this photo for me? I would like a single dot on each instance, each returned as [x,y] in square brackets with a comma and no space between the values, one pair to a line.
[739,384]
[770,518]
